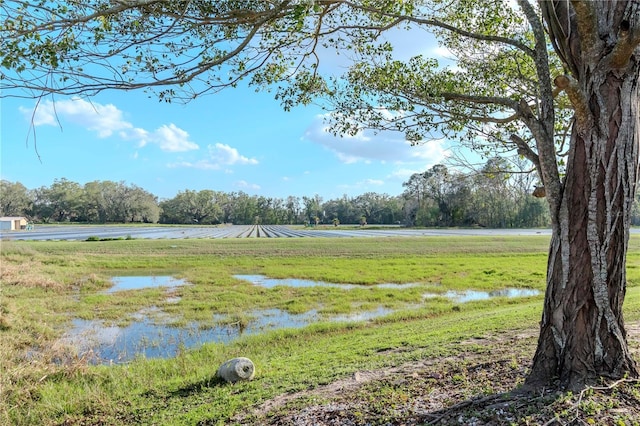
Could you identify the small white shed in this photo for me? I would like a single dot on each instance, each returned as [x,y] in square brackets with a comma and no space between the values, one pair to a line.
[13,223]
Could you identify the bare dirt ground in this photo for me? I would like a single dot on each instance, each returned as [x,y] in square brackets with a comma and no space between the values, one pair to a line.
[478,386]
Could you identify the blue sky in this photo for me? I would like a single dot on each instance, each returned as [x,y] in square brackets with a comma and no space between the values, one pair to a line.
[235,140]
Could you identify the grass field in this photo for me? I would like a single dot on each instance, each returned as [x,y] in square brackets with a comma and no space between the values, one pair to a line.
[47,284]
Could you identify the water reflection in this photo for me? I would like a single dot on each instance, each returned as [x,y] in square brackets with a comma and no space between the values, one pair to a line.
[112,344]
[456,296]
[474,295]
[139,282]
[154,338]
[267,282]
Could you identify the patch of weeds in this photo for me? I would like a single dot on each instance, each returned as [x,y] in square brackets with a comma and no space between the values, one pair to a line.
[239,320]
[93,282]
[514,363]
[294,307]
[5,321]
[381,402]
[458,379]
[30,275]
[95,238]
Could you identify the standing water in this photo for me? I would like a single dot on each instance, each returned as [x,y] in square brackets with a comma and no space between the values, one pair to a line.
[113,344]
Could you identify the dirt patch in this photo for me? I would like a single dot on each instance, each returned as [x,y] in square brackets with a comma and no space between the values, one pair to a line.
[475,387]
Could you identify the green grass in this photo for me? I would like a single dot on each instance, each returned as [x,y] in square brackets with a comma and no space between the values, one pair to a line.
[46,284]
[439,264]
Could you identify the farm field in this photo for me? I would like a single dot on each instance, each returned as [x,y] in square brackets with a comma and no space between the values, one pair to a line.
[422,356]
[82,232]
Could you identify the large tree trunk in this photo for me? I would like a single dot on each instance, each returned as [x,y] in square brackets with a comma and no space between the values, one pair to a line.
[582,334]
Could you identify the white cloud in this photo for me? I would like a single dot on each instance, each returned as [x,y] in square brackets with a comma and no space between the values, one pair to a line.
[221,156]
[383,147]
[443,52]
[369,182]
[102,119]
[173,139]
[404,174]
[225,155]
[107,120]
[202,165]
[135,134]
[246,185]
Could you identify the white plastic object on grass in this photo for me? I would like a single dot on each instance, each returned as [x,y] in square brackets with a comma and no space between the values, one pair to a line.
[237,369]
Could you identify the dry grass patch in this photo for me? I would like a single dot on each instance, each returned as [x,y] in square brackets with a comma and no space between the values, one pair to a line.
[27,275]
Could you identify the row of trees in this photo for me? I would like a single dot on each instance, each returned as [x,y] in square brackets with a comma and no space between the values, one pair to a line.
[493,197]
[67,201]
[437,197]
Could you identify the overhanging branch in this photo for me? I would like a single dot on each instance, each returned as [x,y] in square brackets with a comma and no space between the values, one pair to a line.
[525,150]
[576,97]
[443,25]
[480,100]
[628,36]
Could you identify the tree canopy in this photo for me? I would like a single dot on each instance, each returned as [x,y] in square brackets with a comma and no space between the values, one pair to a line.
[490,96]
[184,49]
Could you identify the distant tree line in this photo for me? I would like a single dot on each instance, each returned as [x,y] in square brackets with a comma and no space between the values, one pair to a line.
[493,197]
[67,201]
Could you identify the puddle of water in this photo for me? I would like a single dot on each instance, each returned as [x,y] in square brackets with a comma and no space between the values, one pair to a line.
[362,316]
[104,344]
[461,297]
[138,282]
[514,292]
[267,282]
[111,344]
[473,295]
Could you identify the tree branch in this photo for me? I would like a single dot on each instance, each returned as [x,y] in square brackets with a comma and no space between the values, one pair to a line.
[442,25]
[586,20]
[525,150]
[480,100]
[577,98]
[557,17]
[542,127]
[480,37]
[65,22]
[494,120]
[628,36]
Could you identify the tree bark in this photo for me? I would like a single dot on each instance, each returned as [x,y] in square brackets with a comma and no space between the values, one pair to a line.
[582,333]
